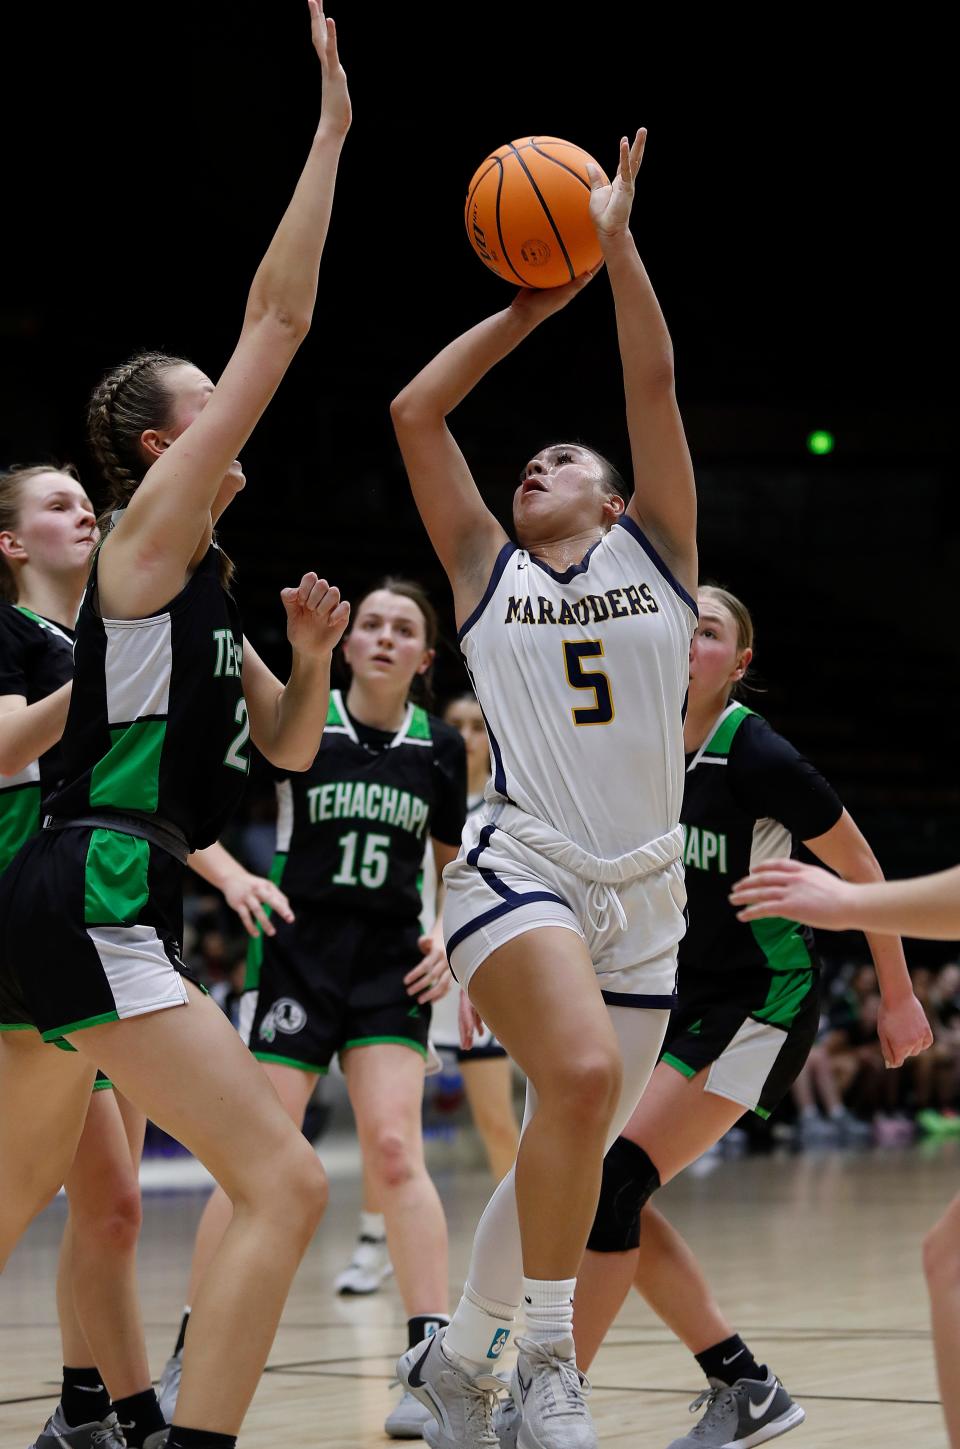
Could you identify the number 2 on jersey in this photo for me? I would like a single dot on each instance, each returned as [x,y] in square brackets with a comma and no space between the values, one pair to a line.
[373,866]
[233,757]
[574,652]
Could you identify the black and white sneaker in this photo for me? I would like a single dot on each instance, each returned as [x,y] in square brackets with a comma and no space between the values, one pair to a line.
[749,1413]
[57,1434]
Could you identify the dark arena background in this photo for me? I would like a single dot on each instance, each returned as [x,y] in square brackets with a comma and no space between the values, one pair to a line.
[791,212]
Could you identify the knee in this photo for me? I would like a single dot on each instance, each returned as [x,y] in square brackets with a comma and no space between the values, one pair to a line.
[393,1159]
[587,1089]
[116,1227]
[298,1184]
[629,1181]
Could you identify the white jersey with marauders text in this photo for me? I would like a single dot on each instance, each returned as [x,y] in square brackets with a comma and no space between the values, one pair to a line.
[582,678]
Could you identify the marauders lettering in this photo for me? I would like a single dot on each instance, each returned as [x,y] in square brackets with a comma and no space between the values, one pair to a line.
[588,609]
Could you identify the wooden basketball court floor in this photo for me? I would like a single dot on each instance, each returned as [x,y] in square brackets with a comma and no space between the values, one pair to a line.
[816,1257]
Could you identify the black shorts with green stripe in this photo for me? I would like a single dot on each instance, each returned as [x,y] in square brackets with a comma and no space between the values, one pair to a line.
[90,927]
[753,1030]
[325,983]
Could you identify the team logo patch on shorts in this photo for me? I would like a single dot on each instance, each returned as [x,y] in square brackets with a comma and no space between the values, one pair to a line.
[285,1015]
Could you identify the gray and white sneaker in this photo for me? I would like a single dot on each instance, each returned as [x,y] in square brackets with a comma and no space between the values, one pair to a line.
[406,1419]
[57,1434]
[751,1412]
[550,1393]
[506,1423]
[168,1385]
[460,1406]
[367,1269]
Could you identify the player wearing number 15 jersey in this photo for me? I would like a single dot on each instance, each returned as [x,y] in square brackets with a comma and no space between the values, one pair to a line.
[565,906]
[353,974]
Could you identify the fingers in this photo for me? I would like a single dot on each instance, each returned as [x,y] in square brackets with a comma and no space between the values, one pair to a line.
[594,176]
[636,150]
[626,175]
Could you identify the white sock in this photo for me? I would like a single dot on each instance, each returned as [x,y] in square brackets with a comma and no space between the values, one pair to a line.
[479,1331]
[549,1308]
[373,1226]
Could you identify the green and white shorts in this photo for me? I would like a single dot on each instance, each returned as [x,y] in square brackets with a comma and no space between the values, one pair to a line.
[753,1032]
[91,921]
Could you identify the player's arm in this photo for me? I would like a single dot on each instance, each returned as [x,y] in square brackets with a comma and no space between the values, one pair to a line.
[430,979]
[28,730]
[244,892]
[664,502]
[145,557]
[286,720]
[903,1027]
[463,531]
[925,906]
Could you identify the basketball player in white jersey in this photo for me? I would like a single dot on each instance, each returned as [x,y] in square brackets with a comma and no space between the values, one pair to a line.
[564,908]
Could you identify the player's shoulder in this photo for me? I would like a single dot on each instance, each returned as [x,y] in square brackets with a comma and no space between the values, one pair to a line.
[447,739]
[757,743]
[15,623]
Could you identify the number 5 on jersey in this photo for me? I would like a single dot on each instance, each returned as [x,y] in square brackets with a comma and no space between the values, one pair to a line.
[574,652]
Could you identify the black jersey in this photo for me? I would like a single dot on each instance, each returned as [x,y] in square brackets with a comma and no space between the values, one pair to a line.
[158,722]
[748,797]
[352,830]
[36,658]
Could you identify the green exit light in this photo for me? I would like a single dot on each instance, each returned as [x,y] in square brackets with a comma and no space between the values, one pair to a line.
[820,443]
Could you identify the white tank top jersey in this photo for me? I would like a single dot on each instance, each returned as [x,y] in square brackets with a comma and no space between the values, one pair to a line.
[582,678]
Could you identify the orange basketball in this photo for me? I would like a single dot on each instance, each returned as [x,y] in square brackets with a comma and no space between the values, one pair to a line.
[528,212]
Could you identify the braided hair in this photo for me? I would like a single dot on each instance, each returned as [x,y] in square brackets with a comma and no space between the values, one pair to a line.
[127,401]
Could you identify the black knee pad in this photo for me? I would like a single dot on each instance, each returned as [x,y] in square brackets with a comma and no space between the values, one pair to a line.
[629,1180]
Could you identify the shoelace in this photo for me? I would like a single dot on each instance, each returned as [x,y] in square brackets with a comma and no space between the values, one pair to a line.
[478,1408]
[709,1397]
[111,1437]
[576,1386]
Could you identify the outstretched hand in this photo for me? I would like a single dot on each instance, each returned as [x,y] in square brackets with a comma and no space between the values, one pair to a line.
[316,617]
[335,110]
[798,892]
[611,201]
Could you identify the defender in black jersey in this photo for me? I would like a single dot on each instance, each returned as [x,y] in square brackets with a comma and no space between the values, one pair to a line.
[166,695]
[746,1017]
[353,973]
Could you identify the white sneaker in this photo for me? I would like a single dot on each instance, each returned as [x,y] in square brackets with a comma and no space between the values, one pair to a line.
[168,1385]
[367,1269]
[550,1393]
[406,1419]
[460,1406]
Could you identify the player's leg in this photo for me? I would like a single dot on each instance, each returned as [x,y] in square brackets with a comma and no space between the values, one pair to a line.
[592,1063]
[191,1074]
[674,1122]
[45,1095]
[294,1088]
[488,1083]
[97,1295]
[941,1264]
[369,1262]
[385,1082]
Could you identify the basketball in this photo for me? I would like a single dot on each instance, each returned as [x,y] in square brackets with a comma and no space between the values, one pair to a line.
[528,212]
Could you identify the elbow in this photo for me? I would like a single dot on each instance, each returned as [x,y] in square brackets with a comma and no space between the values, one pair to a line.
[660,374]
[289,762]
[408,411]
[11,763]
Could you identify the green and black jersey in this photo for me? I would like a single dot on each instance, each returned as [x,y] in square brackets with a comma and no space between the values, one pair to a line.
[748,797]
[36,658]
[158,722]
[351,830]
